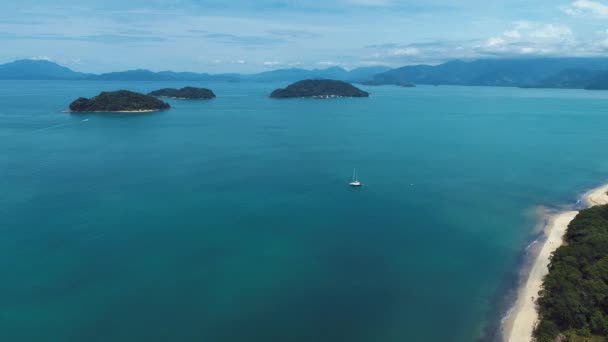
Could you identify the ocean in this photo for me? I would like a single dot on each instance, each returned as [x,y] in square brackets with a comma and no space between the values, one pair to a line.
[231,220]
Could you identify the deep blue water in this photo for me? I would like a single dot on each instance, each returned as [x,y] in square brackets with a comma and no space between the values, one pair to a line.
[231,220]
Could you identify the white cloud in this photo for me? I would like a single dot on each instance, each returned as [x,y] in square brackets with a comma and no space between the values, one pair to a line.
[327,63]
[494,42]
[372,63]
[523,38]
[551,31]
[523,25]
[225,62]
[512,34]
[601,43]
[407,51]
[41,58]
[527,38]
[272,63]
[370,3]
[587,7]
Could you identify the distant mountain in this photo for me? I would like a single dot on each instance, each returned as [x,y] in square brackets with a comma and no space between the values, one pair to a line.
[147,75]
[45,70]
[27,69]
[192,76]
[358,75]
[132,75]
[598,82]
[365,74]
[537,72]
[296,74]
[569,78]
[582,73]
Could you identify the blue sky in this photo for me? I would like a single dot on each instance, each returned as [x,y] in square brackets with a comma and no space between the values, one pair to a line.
[249,36]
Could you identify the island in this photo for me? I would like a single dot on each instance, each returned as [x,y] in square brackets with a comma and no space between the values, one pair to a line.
[407,85]
[118,101]
[403,84]
[319,89]
[186,93]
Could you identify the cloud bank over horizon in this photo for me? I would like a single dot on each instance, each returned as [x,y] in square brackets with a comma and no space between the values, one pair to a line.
[244,36]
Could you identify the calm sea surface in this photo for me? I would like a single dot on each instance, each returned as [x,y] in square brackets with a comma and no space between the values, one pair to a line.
[231,220]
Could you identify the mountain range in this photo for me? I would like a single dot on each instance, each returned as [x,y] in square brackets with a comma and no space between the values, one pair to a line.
[581,73]
[45,70]
[584,73]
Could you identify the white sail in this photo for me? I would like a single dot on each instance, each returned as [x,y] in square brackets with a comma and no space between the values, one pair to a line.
[355,182]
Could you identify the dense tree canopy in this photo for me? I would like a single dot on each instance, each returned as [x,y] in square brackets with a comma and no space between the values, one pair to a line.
[184,93]
[118,101]
[319,88]
[574,299]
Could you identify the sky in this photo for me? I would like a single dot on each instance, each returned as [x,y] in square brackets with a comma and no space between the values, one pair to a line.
[218,36]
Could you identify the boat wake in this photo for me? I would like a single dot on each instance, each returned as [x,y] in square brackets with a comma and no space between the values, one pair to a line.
[58,125]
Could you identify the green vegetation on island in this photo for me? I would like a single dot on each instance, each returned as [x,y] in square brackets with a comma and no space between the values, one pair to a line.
[188,93]
[118,101]
[319,89]
[573,305]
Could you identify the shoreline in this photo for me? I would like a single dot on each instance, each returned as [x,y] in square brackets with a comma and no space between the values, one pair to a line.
[116,111]
[185,98]
[522,316]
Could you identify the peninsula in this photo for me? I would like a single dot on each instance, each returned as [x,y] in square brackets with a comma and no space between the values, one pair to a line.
[572,304]
[118,101]
[561,299]
[319,89]
[187,93]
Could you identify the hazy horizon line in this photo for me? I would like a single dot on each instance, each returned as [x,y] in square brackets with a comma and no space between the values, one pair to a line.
[310,68]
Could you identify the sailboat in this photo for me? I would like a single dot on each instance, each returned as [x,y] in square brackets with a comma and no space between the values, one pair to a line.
[355,182]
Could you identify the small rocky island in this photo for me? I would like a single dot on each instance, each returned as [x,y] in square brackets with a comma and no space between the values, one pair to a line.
[319,89]
[399,84]
[118,101]
[406,85]
[187,93]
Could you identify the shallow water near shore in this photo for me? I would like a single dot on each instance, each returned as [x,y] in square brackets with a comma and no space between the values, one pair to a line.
[231,219]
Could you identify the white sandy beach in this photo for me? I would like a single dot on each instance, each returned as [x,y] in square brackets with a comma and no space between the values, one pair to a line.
[597,196]
[520,324]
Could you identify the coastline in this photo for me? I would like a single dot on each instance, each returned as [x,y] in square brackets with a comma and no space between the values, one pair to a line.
[185,98]
[117,111]
[518,327]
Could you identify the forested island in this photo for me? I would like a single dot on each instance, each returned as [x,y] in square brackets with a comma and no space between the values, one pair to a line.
[319,89]
[118,101]
[573,305]
[186,93]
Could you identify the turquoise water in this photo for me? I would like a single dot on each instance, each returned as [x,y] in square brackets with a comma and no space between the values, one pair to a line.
[231,220]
